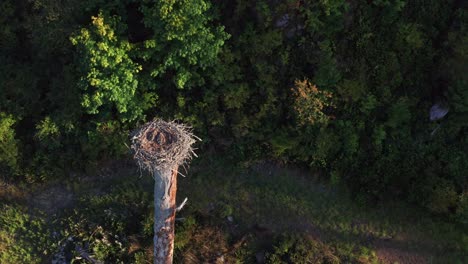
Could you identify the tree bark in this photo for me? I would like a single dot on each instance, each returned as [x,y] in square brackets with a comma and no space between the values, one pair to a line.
[165,188]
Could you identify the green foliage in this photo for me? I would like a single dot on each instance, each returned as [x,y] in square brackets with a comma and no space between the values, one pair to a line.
[7,33]
[458,62]
[102,224]
[109,74]
[182,39]
[462,209]
[399,113]
[48,132]
[140,258]
[77,76]
[325,146]
[368,104]
[299,249]
[352,90]
[8,144]
[379,140]
[108,139]
[282,144]
[24,238]
[443,197]
[47,128]
[184,233]
[328,74]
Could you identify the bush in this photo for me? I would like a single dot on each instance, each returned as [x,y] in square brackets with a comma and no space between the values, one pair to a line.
[24,238]
[300,249]
[8,144]
[102,225]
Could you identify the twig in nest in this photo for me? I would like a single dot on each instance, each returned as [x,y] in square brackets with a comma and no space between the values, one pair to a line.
[159,144]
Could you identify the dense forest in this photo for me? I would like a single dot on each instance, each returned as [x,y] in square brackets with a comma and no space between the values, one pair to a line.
[368,100]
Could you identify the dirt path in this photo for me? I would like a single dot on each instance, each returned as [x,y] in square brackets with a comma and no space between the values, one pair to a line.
[399,248]
[392,252]
[52,198]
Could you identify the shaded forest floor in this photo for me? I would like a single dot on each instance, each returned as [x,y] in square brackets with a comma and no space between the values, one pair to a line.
[251,213]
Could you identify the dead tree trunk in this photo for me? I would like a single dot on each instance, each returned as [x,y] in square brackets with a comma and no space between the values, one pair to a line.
[160,147]
[165,188]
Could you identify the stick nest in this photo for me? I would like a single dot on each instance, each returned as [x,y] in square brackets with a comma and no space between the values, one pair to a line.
[160,145]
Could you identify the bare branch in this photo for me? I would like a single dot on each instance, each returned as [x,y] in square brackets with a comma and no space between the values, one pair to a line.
[181,205]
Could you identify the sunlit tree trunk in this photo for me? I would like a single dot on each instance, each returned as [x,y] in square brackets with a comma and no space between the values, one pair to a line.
[165,188]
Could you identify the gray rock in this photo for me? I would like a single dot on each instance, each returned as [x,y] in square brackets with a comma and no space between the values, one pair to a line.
[438,111]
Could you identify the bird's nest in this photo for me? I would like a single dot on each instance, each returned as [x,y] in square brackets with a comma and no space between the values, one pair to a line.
[160,145]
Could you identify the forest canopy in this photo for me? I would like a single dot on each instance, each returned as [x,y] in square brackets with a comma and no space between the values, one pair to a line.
[344,87]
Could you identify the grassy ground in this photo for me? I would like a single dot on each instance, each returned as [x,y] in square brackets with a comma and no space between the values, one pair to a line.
[289,200]
[256,213]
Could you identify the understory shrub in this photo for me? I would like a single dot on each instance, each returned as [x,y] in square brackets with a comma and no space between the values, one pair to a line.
[24,238]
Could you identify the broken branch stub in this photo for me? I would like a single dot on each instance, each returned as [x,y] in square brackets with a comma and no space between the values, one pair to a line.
[159,145]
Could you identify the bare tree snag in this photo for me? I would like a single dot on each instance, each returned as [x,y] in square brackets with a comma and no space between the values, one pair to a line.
[165,188]
[161,147]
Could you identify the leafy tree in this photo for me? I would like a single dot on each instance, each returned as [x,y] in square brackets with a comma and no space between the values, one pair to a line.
[109,74]
[378,67]
[311,103]
[183,40]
